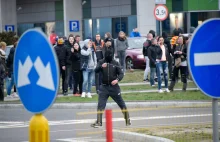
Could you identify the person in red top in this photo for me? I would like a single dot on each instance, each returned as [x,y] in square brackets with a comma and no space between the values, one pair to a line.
[53,38]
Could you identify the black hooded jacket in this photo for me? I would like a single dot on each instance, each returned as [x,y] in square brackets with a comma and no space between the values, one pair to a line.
[61,52]
[2,72]
[10,61]
[75,59]
[111,72]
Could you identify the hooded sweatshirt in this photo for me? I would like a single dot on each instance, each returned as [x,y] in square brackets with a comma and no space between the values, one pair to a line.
[88,60]
[121,44]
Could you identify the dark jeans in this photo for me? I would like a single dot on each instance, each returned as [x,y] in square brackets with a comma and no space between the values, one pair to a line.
[114,92]
[152,75]
[68,75]
[121,57]
[64,83]
[2,93]
[98,81]
[78,77]
[162,70]
[170,66]
[183,71]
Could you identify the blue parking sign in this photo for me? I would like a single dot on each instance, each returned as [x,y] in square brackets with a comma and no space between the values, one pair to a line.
[74,26]
[9,28]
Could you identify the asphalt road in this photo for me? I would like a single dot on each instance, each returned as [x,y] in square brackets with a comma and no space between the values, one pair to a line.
[66,125]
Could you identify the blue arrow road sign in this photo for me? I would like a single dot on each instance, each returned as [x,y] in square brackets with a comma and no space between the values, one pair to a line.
[36,71]
[204,58]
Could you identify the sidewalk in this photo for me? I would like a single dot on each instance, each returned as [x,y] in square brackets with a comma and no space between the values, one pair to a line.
[124,92]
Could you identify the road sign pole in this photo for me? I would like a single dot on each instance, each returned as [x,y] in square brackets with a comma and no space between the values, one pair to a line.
[39,129]
[215,120]
[160,28]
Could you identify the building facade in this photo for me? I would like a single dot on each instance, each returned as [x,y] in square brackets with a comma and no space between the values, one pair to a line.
[89,17]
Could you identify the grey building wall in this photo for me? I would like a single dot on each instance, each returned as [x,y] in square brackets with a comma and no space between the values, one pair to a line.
[110,8]
[145,16]
[72,11]
[36,11]
[8,14]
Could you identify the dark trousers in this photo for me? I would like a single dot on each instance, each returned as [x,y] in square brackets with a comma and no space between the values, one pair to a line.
[170,66]
[78,78]
[183,71]
[68,74]
[2,93]
[64,83]
[98,81]
[114,92]
[121,56]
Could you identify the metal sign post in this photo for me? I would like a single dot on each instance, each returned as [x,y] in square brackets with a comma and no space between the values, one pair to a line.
[215,120]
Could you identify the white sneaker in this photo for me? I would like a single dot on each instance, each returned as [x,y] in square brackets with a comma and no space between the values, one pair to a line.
[167,90]
[15,95]
[83,95]
[89,95]
[160,91]
[9,96]
[152,85]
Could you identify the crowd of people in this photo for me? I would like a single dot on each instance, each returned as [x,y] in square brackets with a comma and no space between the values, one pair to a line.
[165,58]
[78,64]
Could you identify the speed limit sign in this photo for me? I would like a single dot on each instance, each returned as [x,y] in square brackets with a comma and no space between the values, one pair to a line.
[161,12]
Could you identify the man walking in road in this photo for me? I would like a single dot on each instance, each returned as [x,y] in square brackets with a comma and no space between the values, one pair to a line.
[112,74]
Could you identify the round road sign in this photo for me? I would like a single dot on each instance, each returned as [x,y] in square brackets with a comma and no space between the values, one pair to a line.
[161,12]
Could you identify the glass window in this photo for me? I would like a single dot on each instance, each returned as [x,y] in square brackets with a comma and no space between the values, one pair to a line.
[59,28]
[132,23]
[23,27]
[102,26]
[119,24]
[87,28]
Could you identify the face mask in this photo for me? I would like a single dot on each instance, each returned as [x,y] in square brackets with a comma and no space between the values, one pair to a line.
[108,56]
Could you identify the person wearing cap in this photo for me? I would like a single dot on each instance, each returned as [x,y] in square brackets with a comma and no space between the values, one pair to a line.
[112,74]
[62,59]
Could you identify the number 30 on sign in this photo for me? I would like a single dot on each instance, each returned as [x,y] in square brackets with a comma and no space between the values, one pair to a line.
[161,12]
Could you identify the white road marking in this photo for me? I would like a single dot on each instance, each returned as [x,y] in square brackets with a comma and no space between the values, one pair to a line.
[207,59]
[87,121]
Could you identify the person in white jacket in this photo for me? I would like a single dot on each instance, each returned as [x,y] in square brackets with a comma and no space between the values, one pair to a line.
[88,65]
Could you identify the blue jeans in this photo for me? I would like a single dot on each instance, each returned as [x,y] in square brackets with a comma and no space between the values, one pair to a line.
[152,75]
[162,68]
[9,84]
[121,57]
[88,75]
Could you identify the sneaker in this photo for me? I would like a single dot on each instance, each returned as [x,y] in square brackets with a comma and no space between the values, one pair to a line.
[65,94]
[167,90]
[83,95]
[76,95]
[96,125]
[152,85]
[160,91]
[128,122]
[89,95]
[14,95]
[9,96]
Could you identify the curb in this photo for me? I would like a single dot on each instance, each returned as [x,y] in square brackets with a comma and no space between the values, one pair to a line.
[113,105]
[136,137]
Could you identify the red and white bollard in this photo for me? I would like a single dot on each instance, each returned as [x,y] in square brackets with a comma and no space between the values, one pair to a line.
[109,134]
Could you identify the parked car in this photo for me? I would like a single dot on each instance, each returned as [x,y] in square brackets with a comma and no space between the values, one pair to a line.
[134,56]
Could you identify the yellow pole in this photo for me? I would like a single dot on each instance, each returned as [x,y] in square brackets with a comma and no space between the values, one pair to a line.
[39,129]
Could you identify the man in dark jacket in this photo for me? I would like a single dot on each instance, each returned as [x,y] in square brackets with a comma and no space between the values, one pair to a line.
[146,45]
[2,77]
[152,54]
[62,58]
[112,74]
[69,78]
[99,49]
